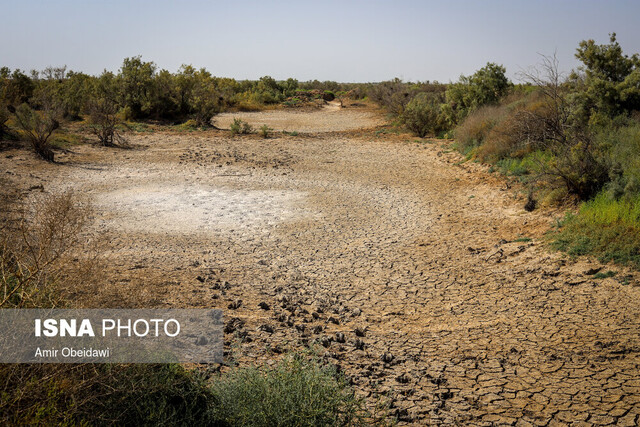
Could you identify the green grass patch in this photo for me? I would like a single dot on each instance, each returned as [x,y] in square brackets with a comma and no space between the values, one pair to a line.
[136,127]
[188,126]
[65,140]
[299,390]
[608,229]
[604,275]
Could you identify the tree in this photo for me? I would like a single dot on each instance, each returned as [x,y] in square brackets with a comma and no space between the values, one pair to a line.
[38,126]
[206,100]
[576,159]
[137,80]
[612,79]
[485,86]
[103,121]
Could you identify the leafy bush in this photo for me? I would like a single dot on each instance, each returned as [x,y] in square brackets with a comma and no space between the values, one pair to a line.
[136,83]
[240,127]
[623,143]
[423,115]
[485,86]
[611,79]
[394,95]
[297,392]
[265,131]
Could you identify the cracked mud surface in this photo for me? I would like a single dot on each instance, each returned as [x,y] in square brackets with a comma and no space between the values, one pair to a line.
[404,268]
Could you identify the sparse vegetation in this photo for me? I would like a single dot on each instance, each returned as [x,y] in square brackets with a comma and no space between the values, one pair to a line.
[265,131]
[605,227]
[37,127]
[240,127]
[104,121]
[300,390]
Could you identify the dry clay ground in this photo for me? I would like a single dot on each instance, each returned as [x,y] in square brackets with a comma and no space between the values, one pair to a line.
[394,261]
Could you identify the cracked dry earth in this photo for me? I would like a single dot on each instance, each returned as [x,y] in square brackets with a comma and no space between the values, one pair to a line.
[403,267]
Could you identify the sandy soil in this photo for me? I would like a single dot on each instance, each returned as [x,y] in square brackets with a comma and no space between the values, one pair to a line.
[398,263]
[330,118]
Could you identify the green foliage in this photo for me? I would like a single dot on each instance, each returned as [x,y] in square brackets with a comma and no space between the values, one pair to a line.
[423,115]
[265,131]
[394,95]
[296,392]
[485,86]
[240,127]
[605,275]
[604,227]
[623,146]
[612,79]
[17,87]
[136,83]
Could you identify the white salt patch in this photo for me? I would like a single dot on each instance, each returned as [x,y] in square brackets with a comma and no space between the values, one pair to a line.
[184,209]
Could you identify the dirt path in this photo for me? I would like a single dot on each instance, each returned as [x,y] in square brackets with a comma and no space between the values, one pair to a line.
[399,264]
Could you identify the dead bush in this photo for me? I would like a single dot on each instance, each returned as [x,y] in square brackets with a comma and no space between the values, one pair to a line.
[37,127]
[104,121]
[511,135]
[39,249]
[474,130]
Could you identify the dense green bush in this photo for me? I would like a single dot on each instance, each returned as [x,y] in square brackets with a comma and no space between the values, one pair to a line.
[486,86]
[297,391]
[423,115]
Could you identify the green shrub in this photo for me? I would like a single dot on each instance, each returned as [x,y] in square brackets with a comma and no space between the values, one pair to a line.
[623,143]
[240,127]
[485,86]
[606,228]
[297,391]
[265,131]
[423,115]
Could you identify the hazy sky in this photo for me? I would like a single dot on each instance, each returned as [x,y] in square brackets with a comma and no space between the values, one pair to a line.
[326,40]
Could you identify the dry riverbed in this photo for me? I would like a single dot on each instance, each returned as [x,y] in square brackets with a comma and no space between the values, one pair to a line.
[422,278]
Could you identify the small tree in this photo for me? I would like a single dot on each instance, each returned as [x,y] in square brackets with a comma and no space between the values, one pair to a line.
[104,120]
[577,160]
[485,86]
[38,126]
